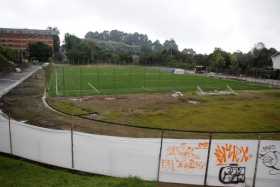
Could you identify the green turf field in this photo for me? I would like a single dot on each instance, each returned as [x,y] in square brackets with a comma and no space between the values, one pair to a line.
[122,79]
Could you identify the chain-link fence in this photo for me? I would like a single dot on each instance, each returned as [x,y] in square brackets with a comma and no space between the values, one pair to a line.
[108,79]
[165,155]
[201,158]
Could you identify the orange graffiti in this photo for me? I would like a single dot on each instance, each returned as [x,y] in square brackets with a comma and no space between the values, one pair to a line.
[183,157]
[228,153]
[203,145]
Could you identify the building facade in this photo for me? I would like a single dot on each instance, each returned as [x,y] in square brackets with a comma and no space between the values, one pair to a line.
[21,38]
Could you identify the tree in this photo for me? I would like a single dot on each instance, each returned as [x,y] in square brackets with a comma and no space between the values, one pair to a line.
[261,56]
[253,63]
[188,51]
[170,46]
[71,41]
[119,36]
[5,65]
[217,60]
[156,46]
[259,46]
[116,35]
[200,59]
[234,65]
[39,51]
[55,29]
[92,35]
[56,43]
[9,53]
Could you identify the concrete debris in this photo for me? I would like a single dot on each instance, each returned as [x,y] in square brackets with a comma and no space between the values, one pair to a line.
[18,70]
[229,91]
[193,102]
[177,94]
[109,98]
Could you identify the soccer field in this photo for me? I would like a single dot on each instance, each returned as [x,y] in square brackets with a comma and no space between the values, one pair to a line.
[123,79]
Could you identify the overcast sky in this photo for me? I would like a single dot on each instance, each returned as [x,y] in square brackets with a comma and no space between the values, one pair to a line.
[198,24]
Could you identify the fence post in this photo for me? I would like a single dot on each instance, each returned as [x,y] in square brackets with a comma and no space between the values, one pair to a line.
[72,148]
[80,81]
[10,134]
[144,77]
[63,79]
[207,163]
[114,76]
[159,157]
[98,77]
[256,163]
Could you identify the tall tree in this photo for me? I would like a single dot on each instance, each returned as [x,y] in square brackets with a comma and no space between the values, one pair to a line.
[39,51]
[156,46]
[170,46]
[217,60]
[56,41]
[189,51]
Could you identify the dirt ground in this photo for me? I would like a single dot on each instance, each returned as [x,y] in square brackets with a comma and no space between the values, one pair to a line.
[248,111]
[118,108]
[156,110]
[25,103]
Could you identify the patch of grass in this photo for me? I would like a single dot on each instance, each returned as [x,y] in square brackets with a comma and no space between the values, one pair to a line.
[217,115]
[14,172]
[68,107]
[248,111]
[113,79]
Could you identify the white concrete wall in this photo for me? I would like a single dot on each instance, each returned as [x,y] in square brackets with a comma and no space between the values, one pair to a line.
[116,156]
[230,158]
[40,144]
[182,160]
[268,172]
[4,135]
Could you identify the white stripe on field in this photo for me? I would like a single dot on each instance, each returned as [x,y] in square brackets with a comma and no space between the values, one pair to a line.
[93,87]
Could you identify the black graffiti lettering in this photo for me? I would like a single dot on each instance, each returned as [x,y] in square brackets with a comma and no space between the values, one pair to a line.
[268,148]
[271,160]
[232,174]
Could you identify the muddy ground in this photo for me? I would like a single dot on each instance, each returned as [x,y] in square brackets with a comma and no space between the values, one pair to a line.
[25,103]
[249,110]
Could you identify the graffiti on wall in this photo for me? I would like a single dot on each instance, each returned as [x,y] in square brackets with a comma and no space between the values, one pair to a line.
[230,157]
[184,157]
[270,157]
[232,174]
[230,153]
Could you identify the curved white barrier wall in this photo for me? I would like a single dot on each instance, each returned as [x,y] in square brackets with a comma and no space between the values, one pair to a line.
[41,144]
[184,161]
[231,162]
[116,156]
[4,135]
[268,172]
